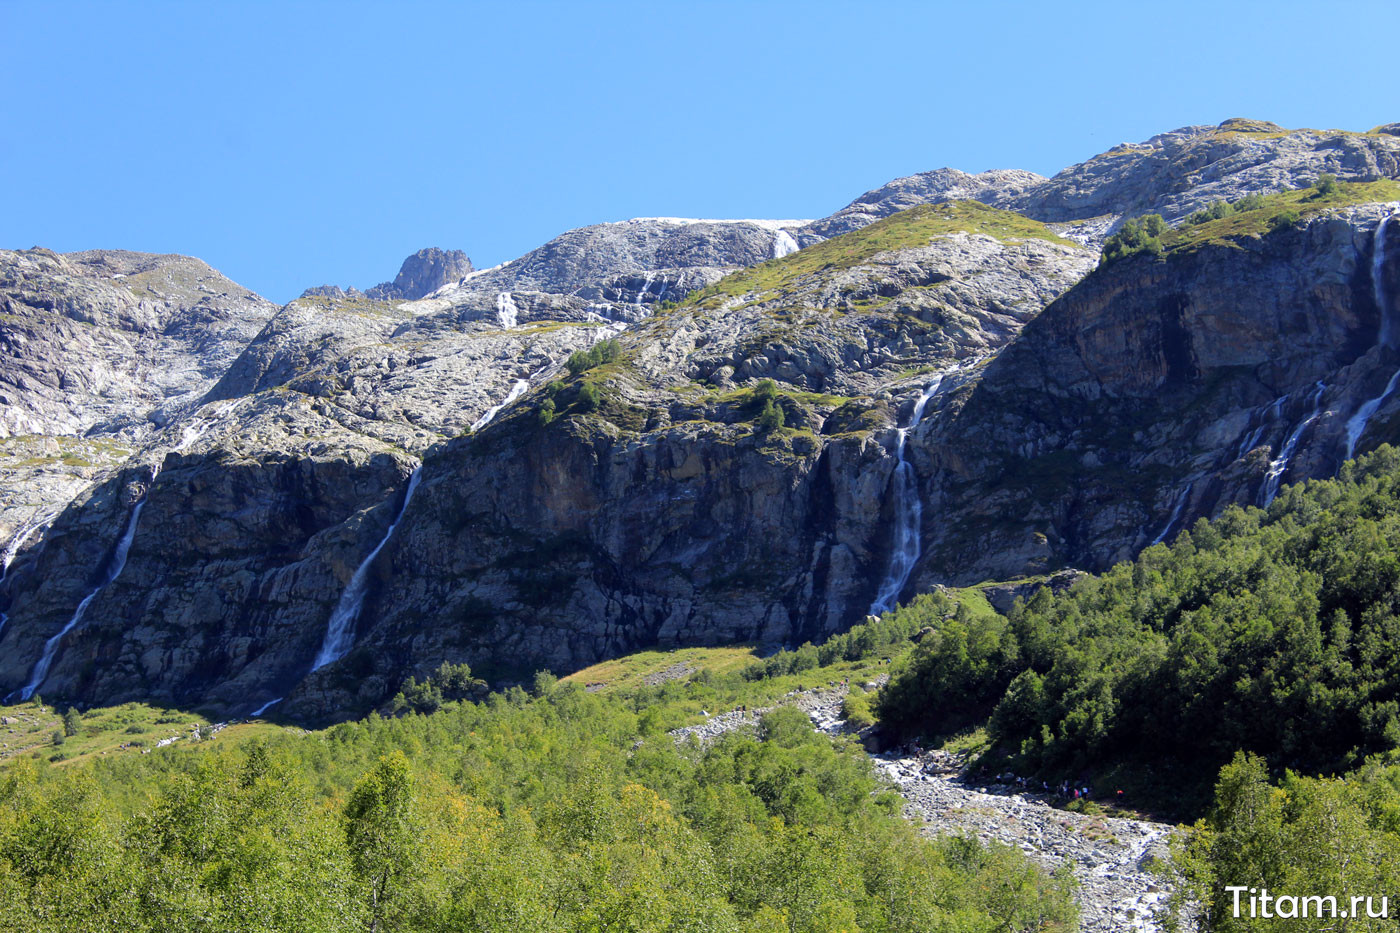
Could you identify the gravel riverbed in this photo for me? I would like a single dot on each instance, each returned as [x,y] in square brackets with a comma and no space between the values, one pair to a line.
[1110,856]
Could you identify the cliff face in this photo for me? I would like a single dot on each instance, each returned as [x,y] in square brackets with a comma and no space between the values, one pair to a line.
[1157,391]
[1040,412]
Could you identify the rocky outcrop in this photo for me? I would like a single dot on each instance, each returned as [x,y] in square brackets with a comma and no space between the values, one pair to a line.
[423,273]
[1172,174]
[1182,171]
[112,342]
[619,269]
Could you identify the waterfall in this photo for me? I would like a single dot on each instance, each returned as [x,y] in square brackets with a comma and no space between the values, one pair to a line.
[265,707]
[909,513]
[507,314]
[200,425]
[1279,465]
[1378,280]
[646,287]
[1176,514]
[1252,439]
[25,532]
[784,244]
[340,631]
[516,391]
[1356,425]
[114,569]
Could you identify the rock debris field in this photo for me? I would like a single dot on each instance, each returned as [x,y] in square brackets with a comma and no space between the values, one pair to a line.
[1110,857]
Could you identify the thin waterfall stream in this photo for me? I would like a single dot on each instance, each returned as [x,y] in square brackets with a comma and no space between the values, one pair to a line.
[340,630]
[1356,424]
[114,569]
[1279,465]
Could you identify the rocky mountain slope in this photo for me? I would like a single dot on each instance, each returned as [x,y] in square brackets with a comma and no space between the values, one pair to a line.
[962,396]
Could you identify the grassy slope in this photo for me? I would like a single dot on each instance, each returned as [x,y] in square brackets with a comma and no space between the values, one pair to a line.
[130,729]
[1306,202]
[908,229]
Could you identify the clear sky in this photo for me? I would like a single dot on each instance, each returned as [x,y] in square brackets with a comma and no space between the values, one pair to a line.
[292,144]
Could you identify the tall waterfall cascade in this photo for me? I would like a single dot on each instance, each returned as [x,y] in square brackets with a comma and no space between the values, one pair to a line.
[114,569]
[908,512]
[340,631]
[1356,424]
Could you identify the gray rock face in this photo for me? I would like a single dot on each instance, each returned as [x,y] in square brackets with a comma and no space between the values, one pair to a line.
[1182,171]
[422,273]
[1155,392]
[858,330]
[1172,174]
[615,269]
[114,342]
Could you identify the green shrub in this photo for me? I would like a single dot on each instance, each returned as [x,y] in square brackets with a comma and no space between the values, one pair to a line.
[1283,221]
[1141,235]
[764,391]
[602,352]
[450,682]
[1214,212]
[590,396]
[72,722]
[771,418]
[547,412]
[855,709]
[1249,202]
[1326,184]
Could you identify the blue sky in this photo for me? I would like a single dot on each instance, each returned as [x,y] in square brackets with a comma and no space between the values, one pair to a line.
[292,144]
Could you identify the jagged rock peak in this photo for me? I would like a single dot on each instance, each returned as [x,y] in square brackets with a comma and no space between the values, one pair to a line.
[423,273]
[420,275]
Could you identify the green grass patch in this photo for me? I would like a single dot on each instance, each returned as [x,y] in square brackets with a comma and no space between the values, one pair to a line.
[128,729]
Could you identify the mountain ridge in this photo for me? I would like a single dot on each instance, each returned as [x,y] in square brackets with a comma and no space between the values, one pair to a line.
[642,502]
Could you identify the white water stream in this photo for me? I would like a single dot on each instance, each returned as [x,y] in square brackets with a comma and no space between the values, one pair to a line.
[340,631]
[908,513]
[646,287]
[1279,465]
[507,313]
[201,423]
[1176,514]
[783,244]
[1356,425]
[25,532]
[517,390]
